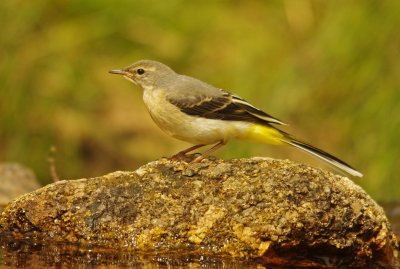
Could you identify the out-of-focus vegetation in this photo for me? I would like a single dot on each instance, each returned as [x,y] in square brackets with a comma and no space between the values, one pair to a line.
[329,68]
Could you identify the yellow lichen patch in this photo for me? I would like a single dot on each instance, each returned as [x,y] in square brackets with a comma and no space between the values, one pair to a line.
[149,237]
[205,223]
[263,247]
[250,238]
[247,235]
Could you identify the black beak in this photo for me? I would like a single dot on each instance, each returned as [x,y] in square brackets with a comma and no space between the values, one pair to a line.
[117,72]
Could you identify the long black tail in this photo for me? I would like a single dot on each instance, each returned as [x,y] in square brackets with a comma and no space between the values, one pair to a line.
[322,155]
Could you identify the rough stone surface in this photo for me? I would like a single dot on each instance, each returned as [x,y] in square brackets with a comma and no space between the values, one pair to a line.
[244,208]
[15,180]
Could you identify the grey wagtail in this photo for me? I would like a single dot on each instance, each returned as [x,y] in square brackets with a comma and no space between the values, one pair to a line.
[196,112]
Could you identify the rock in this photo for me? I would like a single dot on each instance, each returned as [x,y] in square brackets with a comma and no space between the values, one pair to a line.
[245,208]
[15,180]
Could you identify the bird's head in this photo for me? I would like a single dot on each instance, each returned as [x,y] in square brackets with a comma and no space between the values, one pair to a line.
[145,73]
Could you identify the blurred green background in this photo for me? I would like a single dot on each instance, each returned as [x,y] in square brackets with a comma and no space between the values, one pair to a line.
[329,68]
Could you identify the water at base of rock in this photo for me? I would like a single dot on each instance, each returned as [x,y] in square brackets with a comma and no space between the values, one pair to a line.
[23,253]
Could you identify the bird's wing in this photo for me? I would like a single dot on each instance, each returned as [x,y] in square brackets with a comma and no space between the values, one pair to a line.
[255,111]
[218,105]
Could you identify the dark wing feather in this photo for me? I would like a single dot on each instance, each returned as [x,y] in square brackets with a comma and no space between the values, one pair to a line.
[255,111]
[224,107]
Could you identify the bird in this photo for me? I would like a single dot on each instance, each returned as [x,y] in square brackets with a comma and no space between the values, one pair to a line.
[194,111]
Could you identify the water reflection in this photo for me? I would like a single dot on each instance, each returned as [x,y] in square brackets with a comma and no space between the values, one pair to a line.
[26,254]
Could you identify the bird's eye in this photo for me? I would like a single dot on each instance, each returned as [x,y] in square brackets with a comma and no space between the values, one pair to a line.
[140,71]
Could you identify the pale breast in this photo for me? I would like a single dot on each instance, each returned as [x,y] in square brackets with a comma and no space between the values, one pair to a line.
[196,130]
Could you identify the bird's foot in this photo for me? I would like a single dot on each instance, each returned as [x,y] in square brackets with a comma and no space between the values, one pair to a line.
[189,158]
[198,159]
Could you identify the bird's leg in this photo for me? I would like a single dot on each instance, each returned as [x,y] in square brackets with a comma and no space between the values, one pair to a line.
[207,152]
[182,153]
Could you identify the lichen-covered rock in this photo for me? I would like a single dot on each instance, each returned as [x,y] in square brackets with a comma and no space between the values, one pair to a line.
[246,208]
